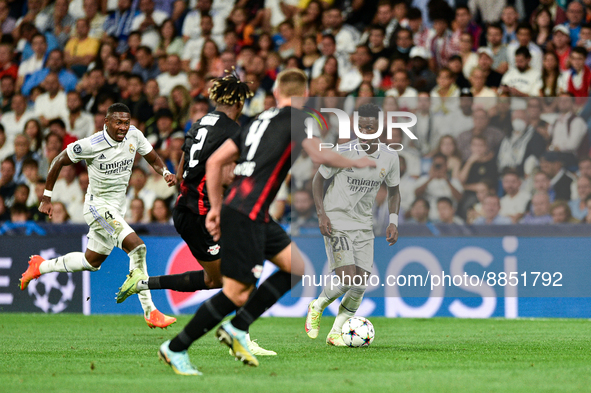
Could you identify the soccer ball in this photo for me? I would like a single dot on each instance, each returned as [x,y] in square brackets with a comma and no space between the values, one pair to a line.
[358,332]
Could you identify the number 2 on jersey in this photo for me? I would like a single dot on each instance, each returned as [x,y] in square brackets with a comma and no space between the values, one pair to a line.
[255,133]
[197,146]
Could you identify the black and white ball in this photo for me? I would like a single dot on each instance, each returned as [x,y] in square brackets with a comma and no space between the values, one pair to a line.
[358,332]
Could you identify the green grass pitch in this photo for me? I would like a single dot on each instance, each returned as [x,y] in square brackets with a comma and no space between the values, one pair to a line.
[76,353]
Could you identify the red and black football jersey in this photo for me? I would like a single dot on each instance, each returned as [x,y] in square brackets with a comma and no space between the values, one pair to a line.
[202,140]
[268,147]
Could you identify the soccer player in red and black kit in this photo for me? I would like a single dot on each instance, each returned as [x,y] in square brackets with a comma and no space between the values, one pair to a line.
[265,151]
[192,206]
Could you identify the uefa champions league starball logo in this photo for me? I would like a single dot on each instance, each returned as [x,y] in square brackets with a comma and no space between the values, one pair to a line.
[52,291]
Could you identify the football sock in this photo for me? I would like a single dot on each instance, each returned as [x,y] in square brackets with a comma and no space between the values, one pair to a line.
[349,306]
[329,294]
[211,312]
[185,282]
[264,297]
[137,259]
[71,262]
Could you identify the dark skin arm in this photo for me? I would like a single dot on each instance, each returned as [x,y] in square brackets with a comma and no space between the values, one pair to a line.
[318,192]
[393,207]
[58,162]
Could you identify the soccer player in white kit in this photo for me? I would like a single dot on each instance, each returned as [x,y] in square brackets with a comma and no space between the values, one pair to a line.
[109,156]
[345,220]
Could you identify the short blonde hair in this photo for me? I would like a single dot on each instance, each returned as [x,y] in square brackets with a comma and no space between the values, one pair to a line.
[292,82]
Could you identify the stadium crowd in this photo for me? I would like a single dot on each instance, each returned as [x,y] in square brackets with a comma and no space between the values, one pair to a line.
[498,89]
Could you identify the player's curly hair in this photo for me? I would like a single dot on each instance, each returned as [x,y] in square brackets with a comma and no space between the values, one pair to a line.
[229,90]
[369,110]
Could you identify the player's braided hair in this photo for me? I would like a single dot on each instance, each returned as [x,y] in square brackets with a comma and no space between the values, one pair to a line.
[229,90]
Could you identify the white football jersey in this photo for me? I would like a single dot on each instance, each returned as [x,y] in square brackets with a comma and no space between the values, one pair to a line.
[349,199]
[109,164]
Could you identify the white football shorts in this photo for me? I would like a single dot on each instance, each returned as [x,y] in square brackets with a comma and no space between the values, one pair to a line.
[345,248]
[107,227]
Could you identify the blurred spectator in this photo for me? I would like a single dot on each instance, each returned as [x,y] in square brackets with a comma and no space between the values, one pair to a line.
[145,66]
[137,100]
[401,87]
[557,13]
[81,122]
[34,132]
[522,80]
[524,40]
[577,79]
[160,213]
[419,212]
[515,201]
[577,207]
[459,118]
[118,23]
[443,94]
[4,212]
[35,62]
[7,23]
[6,148]
[59,213]
[489,11]
[21,194]
[7,88]
[193,48]
[173,77]
[346,36]
[481,128]
[480,166]
[561,44]
[95,18]
[569,131]
[561,214]
[560,179]
[147,23]
[58,127]
[170,43]
[422,78]
[81,50]
[438,184]
[137,188]
[328,48]
[541,210]
[54,64]
[585,166]
[19,213]
[542,28]
[509,22]
[53,147]
[7,183]
[491,207]
[550,75]
[136,211]
[21,153]
[484,96]
[455,65]
[179,102]
[15,120]
[524,142]
[587,218]
[464,24]
[447,213]
[485,63]
[303,214]
[31,177]
[449,148]
[575,12]
[67,189]
[441,45]
[411,154]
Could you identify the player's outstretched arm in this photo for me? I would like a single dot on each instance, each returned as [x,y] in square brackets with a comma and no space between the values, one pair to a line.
[55,168]
[318,193]
[179,170]
[393,208]
[332,158]
[226,154]
[156,162]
